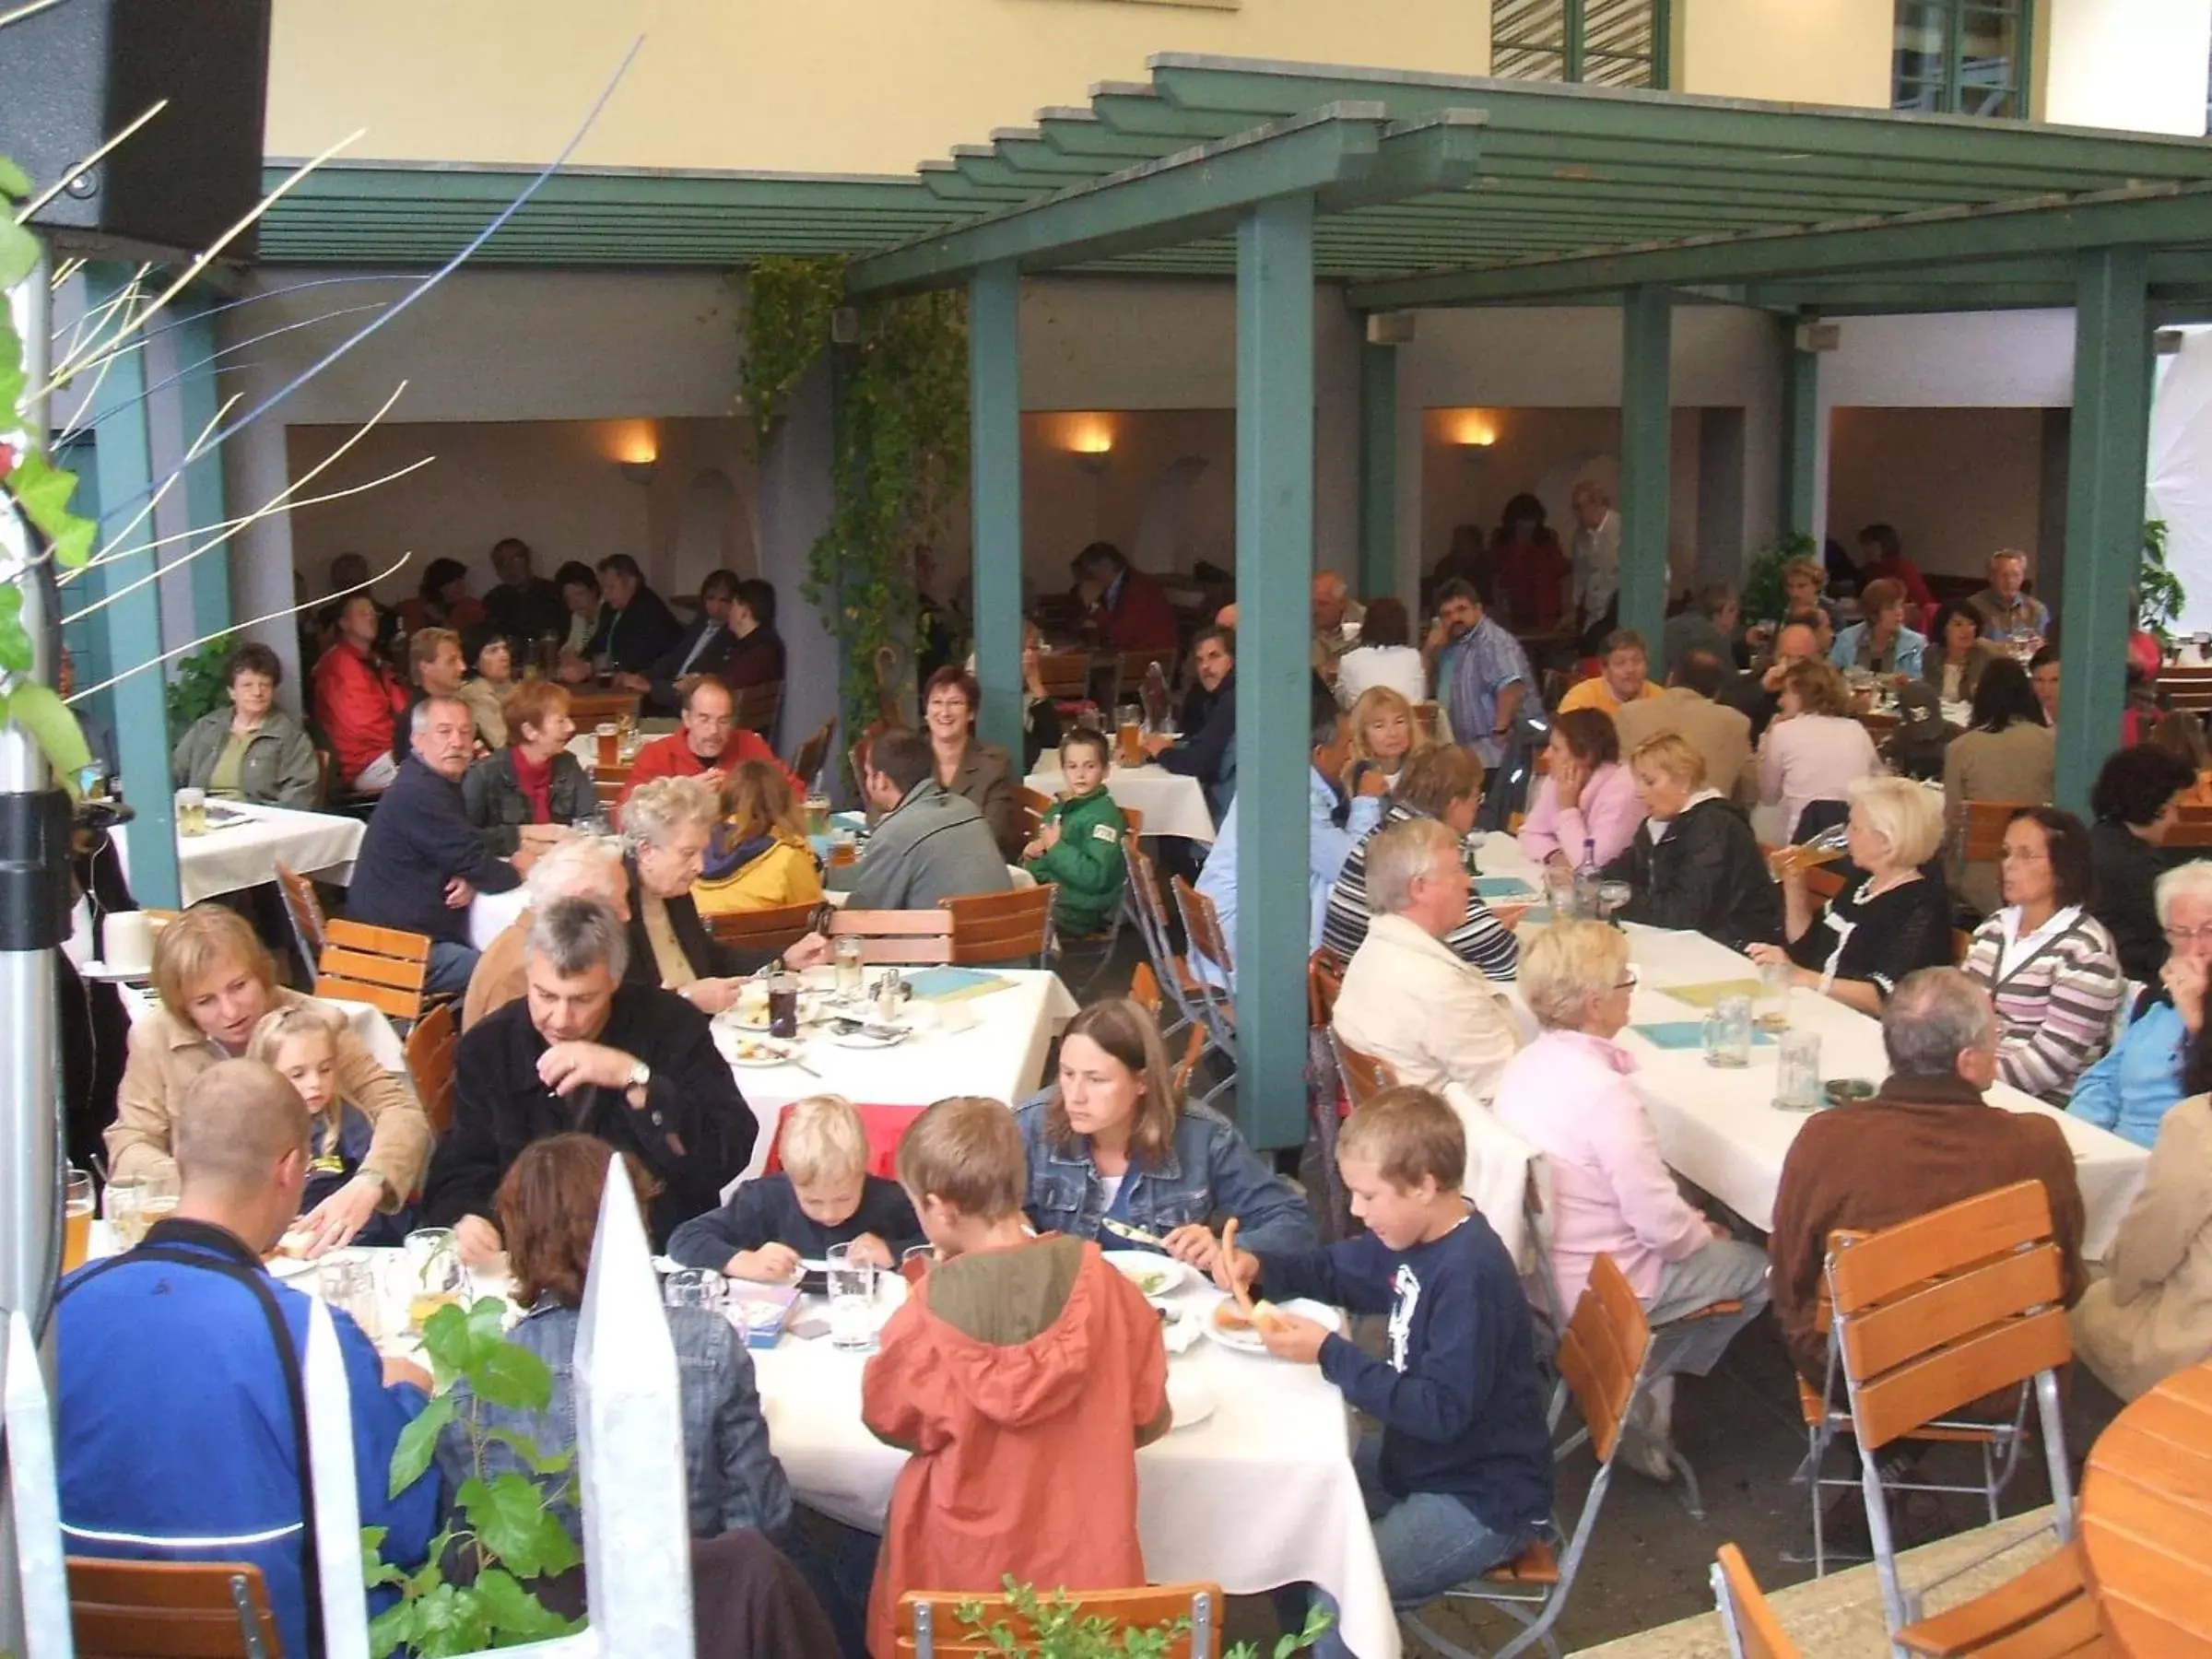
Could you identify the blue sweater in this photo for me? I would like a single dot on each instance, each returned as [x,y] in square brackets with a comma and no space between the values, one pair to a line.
[418,840]
[2139,1081]
[175,1423]
[1459,1399]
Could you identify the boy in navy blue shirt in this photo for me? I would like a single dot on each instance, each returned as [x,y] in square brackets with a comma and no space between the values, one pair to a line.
[1460,1478]
[824,1197]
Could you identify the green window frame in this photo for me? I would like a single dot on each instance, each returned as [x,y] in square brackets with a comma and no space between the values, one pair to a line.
[1963,57]
[1601,43]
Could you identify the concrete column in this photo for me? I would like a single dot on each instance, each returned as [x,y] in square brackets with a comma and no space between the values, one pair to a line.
[202,481]
[1800,479]
[1378,470]
[1647,317]
[995,492]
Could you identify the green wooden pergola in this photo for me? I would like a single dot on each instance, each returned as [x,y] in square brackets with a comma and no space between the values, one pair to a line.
[1420,191]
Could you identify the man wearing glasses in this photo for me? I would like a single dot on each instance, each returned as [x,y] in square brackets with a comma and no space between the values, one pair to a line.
[2149,1071]
[708,745]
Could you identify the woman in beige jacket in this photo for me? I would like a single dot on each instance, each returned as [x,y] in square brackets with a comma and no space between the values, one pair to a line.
[216,981]
[2151,1314]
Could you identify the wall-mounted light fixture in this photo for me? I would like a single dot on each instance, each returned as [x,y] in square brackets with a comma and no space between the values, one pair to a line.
[1471,431]
[636,449]
[1089,438]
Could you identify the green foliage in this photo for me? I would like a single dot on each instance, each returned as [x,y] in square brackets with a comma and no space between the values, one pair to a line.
[2159,593]
[1762,599]
[1057,1629]
[197,688]
[506,1530]
[901,463]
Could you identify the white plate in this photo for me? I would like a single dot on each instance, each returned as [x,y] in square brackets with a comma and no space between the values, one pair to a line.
[862,1039]
[1249,1341]
[92,968]
[778,1053]
[1166,1274]
[1189,1397]
[290,1268]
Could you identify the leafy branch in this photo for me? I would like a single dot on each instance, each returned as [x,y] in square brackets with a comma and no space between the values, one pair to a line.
[2159,593]
[1054,1626]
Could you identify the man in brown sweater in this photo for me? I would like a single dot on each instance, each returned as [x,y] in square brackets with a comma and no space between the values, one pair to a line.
[1926,1140]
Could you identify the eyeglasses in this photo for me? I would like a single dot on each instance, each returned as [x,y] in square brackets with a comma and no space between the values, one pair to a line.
[1630,979]
[2190,936]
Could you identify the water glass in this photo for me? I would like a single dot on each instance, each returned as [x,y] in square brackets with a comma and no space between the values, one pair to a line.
[1798,1072]
[435,1276]
[849,952]
[1774,997]
[126,1209]
[1611,897]
[852,1290]
[348,1280]
[1727,1033]
[695,1288]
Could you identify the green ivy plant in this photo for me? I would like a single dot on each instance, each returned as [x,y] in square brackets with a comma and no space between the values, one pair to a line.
[198,688]
[1055,1627]
[42,493]
[2159,592]
[503,1530]
[902,460]
[1762,599]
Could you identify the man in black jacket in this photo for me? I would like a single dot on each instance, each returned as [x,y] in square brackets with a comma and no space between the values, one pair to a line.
[702,648]
[523,605]
[583,1052]
[422,862]
[635,623]
[1206,749]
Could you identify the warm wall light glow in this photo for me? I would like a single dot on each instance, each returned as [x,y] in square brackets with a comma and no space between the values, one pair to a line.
[635,442]
[1090,435]
[1471,429]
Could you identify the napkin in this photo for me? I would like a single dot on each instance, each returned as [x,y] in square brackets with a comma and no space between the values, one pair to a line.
[1495,887]
[1686,1033]
[1708,993]
[950,985]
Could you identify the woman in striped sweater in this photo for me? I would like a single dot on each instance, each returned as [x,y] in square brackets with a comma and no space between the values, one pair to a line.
[2050,965]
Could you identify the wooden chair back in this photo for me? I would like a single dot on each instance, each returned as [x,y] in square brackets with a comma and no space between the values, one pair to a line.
[897,936]
[1144,991]
[1134,820]
[2048,1612]
[758,707]
[1601,1353]
[930,1626]
[1985,824]
[1324,981]
[776,928]
[430,1047]
[1745,1614]
[2192,829]
[1962,942]
[1201,926]
[1364,1076]
[310,926]
[587,709]
[170,1610]
[324,766]
[1428,721]
[2190,688]
[1001,927]
[1064,674]
[607,782]
[383,967]
[807,762]
[1144,889]
[1131,667]
[1940,1311]
[1034,805]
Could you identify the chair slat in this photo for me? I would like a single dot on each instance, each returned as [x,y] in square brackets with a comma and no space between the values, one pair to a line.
[397,1005]
[931,951]
[1950,1308]
[430,1052]
[2033,1594]
[379,941]
[1602,1350]
[1985,824]
[775,927]
[1143,1608]
[166,1609]
[1876,1267]
[881,923]
[1894,1405]
[376,969]
[1758,1631]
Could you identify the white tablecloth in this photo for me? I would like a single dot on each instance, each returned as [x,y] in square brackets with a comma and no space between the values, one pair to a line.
[369,1024]
[1001,1057]
[489,913]
[245,854]
[1720,1129]
[1172,804]
[1261,1493]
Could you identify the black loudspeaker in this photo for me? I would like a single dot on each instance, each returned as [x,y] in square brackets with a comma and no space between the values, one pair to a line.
[73,75]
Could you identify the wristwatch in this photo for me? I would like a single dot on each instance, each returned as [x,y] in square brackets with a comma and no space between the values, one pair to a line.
[641,1075]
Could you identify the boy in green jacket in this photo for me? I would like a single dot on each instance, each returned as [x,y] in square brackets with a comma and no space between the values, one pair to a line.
[1079,845]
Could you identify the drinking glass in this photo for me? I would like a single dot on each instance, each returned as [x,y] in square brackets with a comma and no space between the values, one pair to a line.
[1611,896]
[1727,1033]
[784,1005]
[1774,997]
[1798,1072]
[157,1201]
[192,812]
[817,815]
[435,1276]
[695,1288]
[848,951]
[609,737]
[1129,724]
[348,1280]
[126,1210]
[844,847]
[852,1302]
[916,1260]
[1559,891]
[76,1221]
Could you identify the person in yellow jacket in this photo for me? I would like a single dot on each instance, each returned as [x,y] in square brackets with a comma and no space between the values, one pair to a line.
[761,857]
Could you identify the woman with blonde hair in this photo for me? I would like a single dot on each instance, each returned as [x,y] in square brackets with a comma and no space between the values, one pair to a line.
[1693,863]
[1889,921]
[217,983]
[1113,1143]
[1385,732]
[1814,748]
[301,1042]
[759,856]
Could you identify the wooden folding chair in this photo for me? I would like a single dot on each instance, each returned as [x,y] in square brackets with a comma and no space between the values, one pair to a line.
[1132,820]
[1364,1076]
[1747,1616]
[1143,990]
[429,1051]
[2048,1612]
[1065,677]
[607,782]
[1003,927]
[1930,1316]
[383,967]
[774,929]
[304,911]
[1171,972]
[1983,840]
[1034,805]
[1324,980]
[587,709]
[2192,827]
[758,706]
[170,1610]
[930,1626]
[1129,670]
[1601,1363]
[1202,929]
[897,936]
[808,763]
[2181,687]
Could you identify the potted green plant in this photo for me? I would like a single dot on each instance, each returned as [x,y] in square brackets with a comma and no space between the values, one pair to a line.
[2159,592]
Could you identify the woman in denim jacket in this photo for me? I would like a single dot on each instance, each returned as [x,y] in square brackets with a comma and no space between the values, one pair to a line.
[1112,1143]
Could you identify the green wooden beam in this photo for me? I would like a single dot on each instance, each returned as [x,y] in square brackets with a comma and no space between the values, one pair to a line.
[1024,147]
[995,484]
[197,402]
[1378,470]
[2107,464]
[1275,563]
[2162,216]
[1800,432]
[1646,319]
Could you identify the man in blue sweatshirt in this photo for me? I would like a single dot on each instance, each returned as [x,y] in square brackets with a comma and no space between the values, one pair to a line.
[1460,1478]
[182,1432]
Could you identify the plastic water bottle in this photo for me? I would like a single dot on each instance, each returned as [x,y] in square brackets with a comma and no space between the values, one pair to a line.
[1585,881]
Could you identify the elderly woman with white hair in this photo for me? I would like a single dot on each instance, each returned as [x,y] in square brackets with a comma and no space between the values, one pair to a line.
[1889,919]
[665,828]
[1568,1094]
[584,866]
[2133,1088]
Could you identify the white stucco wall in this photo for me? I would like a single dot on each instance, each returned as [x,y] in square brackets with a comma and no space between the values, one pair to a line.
[2134,64]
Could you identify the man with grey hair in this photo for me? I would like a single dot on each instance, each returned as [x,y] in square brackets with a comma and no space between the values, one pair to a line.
[583,1052]
[422,860]
[1926,1140]
[1407,999]
[584,866]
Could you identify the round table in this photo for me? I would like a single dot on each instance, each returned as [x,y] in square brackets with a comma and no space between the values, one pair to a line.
[2146,1520]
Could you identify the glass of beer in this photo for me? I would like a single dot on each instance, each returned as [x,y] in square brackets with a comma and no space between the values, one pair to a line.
[844,848]
[435,1276]
[76,1221]
[1129,723]
[817,815]
[192,812]
[127,1203]
[610,743]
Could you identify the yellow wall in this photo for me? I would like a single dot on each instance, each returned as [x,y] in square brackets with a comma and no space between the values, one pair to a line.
[827,86]
[1831,52]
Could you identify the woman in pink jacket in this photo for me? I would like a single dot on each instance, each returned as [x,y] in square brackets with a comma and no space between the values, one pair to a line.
[1568,1093]
[1588,796]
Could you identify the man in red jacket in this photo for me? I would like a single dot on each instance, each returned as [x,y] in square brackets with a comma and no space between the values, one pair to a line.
[707,745]
[355,697]
[1130,607]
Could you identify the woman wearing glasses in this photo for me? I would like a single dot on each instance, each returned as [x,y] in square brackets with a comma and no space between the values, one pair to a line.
[2132,1088]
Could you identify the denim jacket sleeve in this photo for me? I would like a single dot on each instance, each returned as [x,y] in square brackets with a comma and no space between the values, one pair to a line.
[1270,1215]
[753,1489]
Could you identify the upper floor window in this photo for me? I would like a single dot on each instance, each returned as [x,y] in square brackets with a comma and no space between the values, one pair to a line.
[1605,43]
[1963,57]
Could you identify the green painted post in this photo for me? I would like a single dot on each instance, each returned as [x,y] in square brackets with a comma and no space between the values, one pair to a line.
[995,472]
[124,463]
[1800,431]
[1274,559]
[1378,470]
[2108,460]
[1646,316]
[197,403]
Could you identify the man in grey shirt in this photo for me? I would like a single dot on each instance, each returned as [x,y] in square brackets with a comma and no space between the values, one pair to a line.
[929,844]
